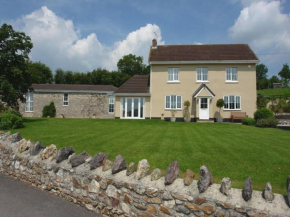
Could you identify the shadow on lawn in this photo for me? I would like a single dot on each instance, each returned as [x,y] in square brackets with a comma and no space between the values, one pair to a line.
[34,120]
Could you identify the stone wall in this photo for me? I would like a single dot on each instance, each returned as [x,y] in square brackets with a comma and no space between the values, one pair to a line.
[81,105]
[118,189]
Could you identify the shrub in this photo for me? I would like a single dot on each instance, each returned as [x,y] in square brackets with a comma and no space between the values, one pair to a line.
[269,122]
[249,121]
[220,103]
[14,112]
[261,101]
[49,110]
[9,120]
[263,113]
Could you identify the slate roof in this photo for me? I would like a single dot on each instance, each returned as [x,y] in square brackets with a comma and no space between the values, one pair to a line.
[73,87]
[136,84]
[208,52]
[199,89]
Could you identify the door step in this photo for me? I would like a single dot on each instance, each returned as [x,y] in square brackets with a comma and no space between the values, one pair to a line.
[205,121]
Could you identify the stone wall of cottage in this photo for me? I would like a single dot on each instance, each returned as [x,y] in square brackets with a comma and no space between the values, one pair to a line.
[81,105]
[121,189]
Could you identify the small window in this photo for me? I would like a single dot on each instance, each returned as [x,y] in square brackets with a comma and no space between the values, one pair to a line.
[29,102]
[65,99]
[111,104]
[173,74]
[231,74]
[201,74]
[232,102]
[173,102]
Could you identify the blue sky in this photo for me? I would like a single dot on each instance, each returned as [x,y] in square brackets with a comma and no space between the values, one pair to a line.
[85,34]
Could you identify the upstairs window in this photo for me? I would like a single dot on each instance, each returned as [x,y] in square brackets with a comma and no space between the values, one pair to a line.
[111,104]
[172,102]
[65,99]
[173,74]
[232,102]
[201,74]
[29,102]
[231,74]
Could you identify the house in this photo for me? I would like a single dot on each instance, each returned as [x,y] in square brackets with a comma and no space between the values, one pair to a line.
[71,101]
[201,74]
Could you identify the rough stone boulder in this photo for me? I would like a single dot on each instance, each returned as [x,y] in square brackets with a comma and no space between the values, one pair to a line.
[205,179]
[248,189]
[98,160]
[16,137]
[172,173]
[64,153]
[267,193]
[143,169]
[225,186]
[5,135]
[79,159]
[156,174]
[288,190]
[36,148]
[131,169]
[119,164]
[107,165]
[24,145]
[188,177]
[48,152]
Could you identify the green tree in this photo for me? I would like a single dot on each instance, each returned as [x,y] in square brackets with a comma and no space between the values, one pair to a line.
[261,71]
[263,83]
[14,78]
[285,74]
[273,79]
[132,65]
[59,76]
[40,73]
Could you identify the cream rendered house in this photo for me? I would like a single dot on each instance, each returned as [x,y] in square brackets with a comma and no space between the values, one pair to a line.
[201,74]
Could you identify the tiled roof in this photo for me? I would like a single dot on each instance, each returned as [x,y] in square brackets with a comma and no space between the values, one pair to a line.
[73,87]
[136,84]
[211,52]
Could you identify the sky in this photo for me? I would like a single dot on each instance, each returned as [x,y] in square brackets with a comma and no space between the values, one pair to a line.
[82,35]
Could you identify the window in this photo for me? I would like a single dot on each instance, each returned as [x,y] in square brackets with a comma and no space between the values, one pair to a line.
[65,99]
[173,74]
[111,104]
[29,102]
[172,102]
[232,102]
[132,108]
[201,74]
[231,74]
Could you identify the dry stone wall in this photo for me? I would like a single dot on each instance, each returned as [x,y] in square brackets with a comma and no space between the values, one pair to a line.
[109,188]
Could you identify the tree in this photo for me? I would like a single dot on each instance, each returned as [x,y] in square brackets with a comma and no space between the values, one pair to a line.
[285,74]
[274,79]
[132,65]
[263,83]
[14,78]
[59,76]
[40,73]
[261,71]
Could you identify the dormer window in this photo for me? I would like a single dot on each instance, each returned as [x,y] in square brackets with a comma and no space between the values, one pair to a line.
[173,74]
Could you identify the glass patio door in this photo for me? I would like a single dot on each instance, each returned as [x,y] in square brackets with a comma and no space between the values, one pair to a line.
[132,108]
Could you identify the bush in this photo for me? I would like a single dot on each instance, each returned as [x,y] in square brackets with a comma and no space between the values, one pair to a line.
[249,121]
[261,101]
[263,113]
[49,110]
[270,122]
[220,103]
[13,112]
[8,120]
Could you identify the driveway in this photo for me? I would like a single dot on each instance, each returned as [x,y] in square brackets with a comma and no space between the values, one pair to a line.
[19,199]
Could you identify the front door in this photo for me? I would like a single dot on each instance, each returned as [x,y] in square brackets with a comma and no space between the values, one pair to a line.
[204,108]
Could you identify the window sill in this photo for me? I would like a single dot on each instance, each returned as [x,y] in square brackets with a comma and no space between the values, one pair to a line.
[65,105]
[179,109]
[202,82]
[28,111]
[232,109]
[231,82]
[173,82]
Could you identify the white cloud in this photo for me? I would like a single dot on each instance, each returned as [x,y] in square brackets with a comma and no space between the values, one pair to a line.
[58,44]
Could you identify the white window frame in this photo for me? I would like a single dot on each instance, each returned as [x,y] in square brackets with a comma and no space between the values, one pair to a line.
[66,102]
[235,102]
[176,102]
[29,102]
[203,72]
[175,75]
[123,103]
[111,102]
[231,77]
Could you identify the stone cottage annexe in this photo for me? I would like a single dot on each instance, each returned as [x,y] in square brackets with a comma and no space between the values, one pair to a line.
[71,101]
[201,74]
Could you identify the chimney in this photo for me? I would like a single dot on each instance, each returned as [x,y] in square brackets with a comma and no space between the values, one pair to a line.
[154,43]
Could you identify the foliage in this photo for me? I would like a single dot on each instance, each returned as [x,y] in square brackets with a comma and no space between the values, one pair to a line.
[220,103]
[173,112]
[272,80]
[13,112]
[285,74]
[261,71]
[49,110]
[261,101]
[249,121]
[40,73]
[186,103]
[263,83]
[132,65]
[186,112]
[277,92]
[3,107]
[14,77]
[10,119]
[281,107]
[267,122]
[263,113]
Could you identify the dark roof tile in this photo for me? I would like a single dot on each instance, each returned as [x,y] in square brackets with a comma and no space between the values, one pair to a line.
[136,84]
[73,87]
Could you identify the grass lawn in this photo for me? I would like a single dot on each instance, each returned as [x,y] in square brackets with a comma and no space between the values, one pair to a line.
[274,92]
[229,150]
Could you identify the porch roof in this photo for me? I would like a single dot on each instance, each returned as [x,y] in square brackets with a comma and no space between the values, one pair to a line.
[202,88]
